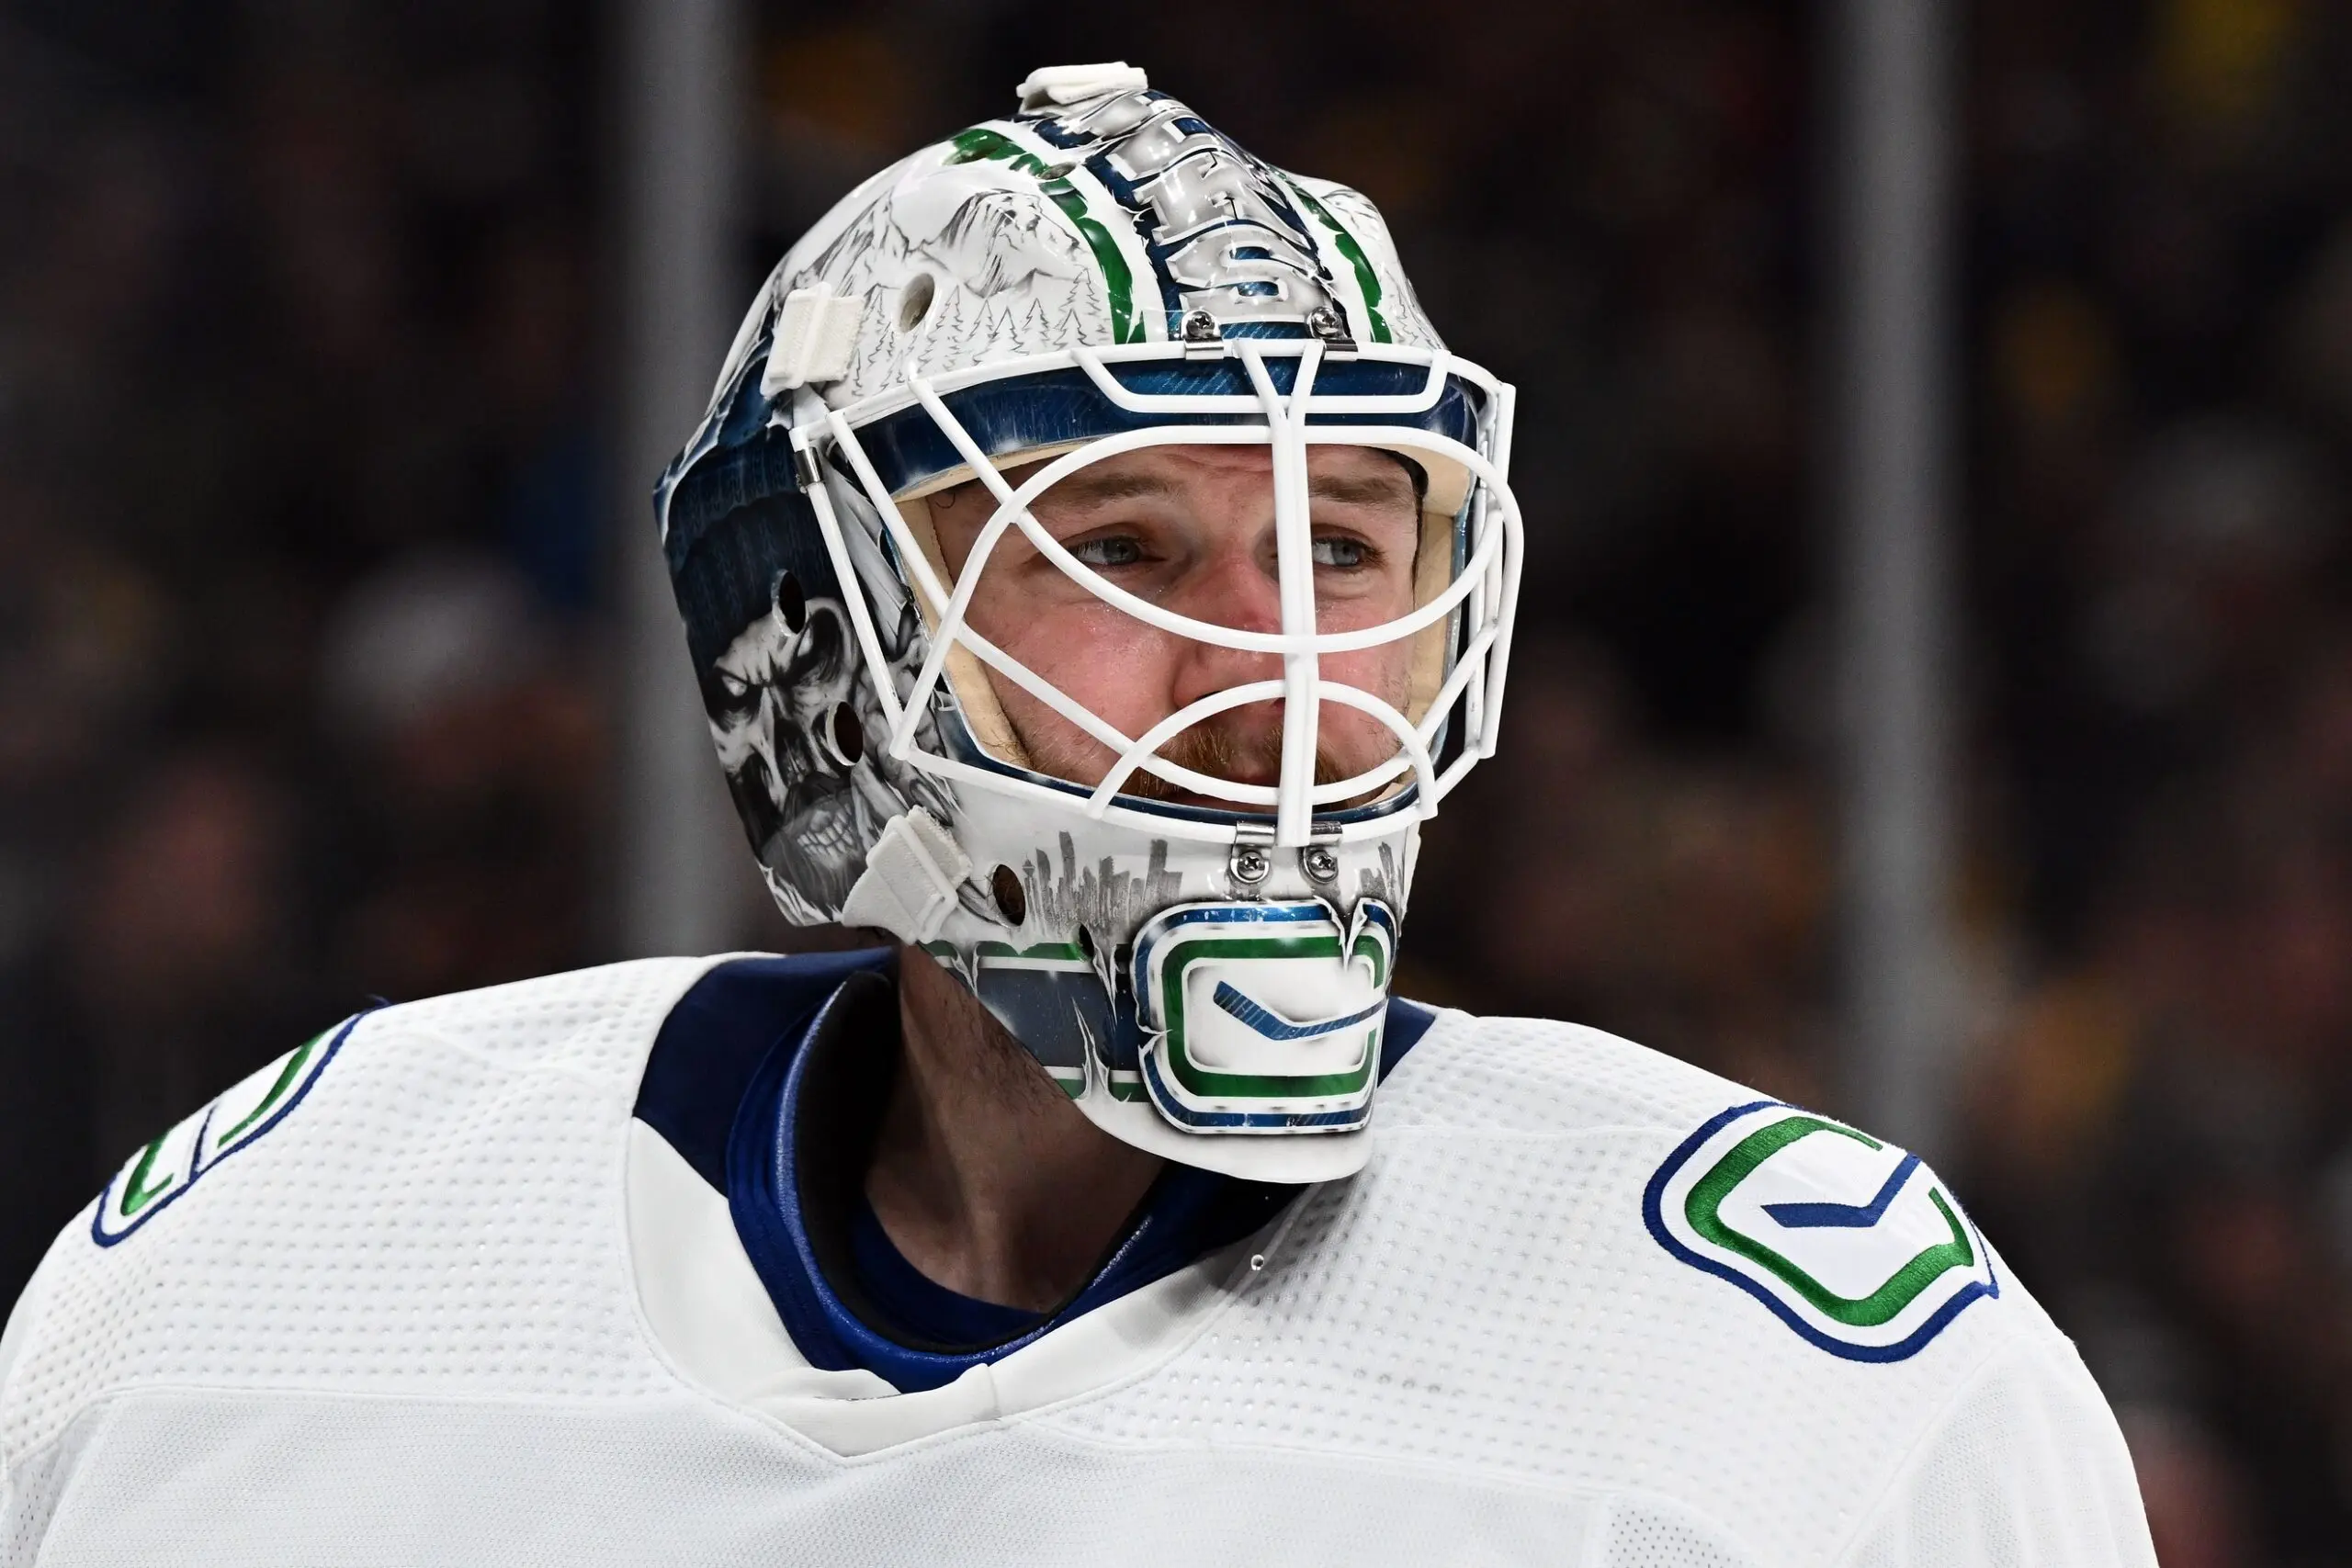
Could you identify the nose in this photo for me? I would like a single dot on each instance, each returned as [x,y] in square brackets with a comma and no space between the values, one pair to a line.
[1239,591]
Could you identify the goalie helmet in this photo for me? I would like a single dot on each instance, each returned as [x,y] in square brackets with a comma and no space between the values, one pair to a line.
[1201,961]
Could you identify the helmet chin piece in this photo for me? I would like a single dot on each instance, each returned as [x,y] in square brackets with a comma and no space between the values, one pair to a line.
[1206,1002]
[1097,274]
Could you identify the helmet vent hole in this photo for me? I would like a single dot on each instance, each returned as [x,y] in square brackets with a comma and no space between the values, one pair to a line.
[791,604]
[845,736]
[1012,899]
[915,302]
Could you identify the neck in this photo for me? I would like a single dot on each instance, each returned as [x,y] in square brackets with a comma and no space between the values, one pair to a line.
[985,1176]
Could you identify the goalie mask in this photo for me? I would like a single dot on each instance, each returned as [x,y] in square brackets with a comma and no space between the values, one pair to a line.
[1185,903]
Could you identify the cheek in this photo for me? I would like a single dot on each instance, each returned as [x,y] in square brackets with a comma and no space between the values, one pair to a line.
[1386,671]
[1110,663]
[1356,739]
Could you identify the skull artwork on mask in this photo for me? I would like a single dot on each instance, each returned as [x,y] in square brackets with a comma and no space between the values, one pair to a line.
[804,755]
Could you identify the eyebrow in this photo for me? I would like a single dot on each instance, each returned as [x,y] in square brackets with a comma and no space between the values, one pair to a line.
[1093,488]
[1385,489]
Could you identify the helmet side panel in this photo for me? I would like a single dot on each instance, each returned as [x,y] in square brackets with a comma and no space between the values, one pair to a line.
[790,695]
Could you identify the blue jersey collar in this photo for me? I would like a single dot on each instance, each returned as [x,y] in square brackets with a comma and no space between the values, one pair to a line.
[795,1184]
[771,1077]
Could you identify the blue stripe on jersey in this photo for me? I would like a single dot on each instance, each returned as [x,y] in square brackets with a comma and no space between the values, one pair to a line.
[718,1033]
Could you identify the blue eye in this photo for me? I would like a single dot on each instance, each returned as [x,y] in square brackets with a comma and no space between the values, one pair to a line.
[1116,551]
[1340,551]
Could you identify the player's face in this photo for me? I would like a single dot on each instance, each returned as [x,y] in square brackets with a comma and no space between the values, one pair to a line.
[1192,529]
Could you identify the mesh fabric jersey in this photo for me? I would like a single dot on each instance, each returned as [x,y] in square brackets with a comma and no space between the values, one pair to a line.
[422,1313]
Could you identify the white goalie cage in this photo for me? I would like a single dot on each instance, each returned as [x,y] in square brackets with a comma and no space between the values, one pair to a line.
[1472,613]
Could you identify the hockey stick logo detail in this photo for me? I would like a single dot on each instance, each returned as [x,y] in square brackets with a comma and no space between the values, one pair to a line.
[1851,1242]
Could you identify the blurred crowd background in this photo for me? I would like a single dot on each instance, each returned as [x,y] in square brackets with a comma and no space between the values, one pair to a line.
[308,542]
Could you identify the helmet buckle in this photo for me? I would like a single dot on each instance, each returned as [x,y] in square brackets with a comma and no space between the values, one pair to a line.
[1330,330]
[1202,337]
[1249,863]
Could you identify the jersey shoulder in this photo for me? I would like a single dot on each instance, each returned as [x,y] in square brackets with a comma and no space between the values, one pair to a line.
[409,1198]
[379,1081]
[1845,1240]
[1470,1074]
[1579,1263]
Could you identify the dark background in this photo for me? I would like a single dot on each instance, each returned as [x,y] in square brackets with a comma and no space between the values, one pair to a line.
[307,642]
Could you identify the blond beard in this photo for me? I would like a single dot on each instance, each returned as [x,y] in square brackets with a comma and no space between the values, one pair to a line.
[1209,748]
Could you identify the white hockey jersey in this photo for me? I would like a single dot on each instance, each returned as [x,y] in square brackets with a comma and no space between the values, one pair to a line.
[427,1294]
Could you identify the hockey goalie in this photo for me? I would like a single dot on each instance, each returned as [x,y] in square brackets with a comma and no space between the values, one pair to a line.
[1095,569]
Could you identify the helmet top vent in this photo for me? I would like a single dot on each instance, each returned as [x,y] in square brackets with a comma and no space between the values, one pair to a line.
[1050,86]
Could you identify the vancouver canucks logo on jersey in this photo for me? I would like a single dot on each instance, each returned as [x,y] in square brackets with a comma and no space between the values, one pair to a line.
[1851,1242]
[153,1180]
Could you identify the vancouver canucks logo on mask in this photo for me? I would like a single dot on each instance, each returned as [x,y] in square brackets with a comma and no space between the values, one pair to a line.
[1851,1242]
[1263,1017]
